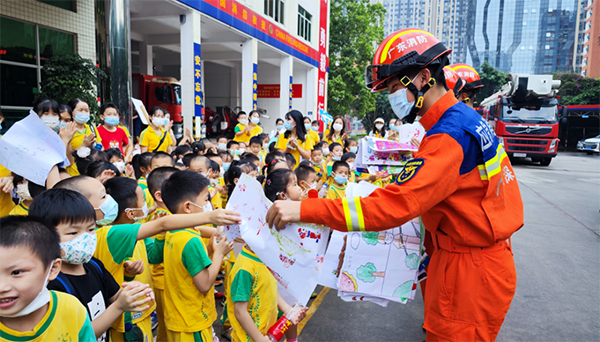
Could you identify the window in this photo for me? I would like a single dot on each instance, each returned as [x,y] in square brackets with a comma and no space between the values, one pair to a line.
[275,9]
[304,23]
[21,60]
[64,4]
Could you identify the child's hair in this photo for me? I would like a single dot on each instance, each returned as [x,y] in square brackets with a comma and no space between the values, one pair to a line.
[347,142]
[277,182]
[187,159]
[249,156]
[303,171]
[271,160]
[198,147]
[141,160]
[272,147]
[214,166]
[73,183]
[334,145]
[231,143]
[31,232]
[319,145]
[34,189]
[107,105]
[65,108]
[84,163]
[45,105]
[96,168]
[316,149]
[256,140]
[235,171]
[315,122]
[339,164]
[113,152]
[262,137]
[162,155]
[123,190]
[221,137]
[57,206]
[291,160]
[182,150]
[348,155]
[182,186]
[224,155]
[75,101]
[205,160]
[158,177]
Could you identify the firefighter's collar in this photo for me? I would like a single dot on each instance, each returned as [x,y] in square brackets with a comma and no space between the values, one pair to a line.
[436,111]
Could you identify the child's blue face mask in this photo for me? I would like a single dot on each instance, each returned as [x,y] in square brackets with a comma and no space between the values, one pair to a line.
[110,208]
[340,179]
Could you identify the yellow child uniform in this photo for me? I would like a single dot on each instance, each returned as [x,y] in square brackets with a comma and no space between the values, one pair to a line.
[72,170]
[321,171]
[246,136]
[77,140]
[66,320]
[151,138]
[252,282]
[331,141]
[314,136]
[336,191]
[158,279]
[352,177]
[6,203]
[115,245]
[19,209]
[189,314]
[282,143]
[143,183]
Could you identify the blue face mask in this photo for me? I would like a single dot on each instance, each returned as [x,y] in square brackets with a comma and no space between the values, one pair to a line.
[315,128]
[226,166]
[307,126]
[399,102]
[110,208]
[354,149]
[82,118]
[392,126]
[288,125]
[60,124]
[112,120]
[255,120]
[222,146]
[340,179]
[279,127]
[336,158]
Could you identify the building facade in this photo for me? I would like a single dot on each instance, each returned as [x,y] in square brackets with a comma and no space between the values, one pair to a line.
[535,36]
[590,54]
[221,51]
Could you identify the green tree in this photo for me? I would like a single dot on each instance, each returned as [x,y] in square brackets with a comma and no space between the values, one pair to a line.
[492,80]
[578,90]
[69,76]
[371,238]
[368,273]
[356,29]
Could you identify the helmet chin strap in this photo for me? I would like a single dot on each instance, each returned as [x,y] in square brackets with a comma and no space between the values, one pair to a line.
[419,93]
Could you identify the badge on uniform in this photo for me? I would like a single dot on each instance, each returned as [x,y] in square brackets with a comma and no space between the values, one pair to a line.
[410,170]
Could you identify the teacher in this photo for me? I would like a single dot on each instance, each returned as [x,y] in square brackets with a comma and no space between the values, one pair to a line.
[460,182]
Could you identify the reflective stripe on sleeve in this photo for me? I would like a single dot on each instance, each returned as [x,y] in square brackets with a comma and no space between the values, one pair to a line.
[493,166]
[353,214]
[482,172]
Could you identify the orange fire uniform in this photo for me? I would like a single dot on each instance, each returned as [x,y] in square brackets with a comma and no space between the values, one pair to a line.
[463,186]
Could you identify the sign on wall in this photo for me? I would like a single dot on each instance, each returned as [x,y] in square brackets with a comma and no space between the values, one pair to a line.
[198,105]
[271,91]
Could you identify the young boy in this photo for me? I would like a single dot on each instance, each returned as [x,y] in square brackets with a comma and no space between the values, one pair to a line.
[339,174]
[161,159]
[256,144]
[30,254]
[316,157]
[222,143]
[308,178]
[118,244]
[233,147]
[349,159]
[242,129]
[336,153]
[155,181]
[82,275]
[189,273]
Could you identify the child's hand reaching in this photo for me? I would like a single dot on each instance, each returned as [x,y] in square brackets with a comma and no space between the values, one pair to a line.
[129,171]
[106,175]
[222,217]
[128,300]
[222,247]
[6,184]
[133,267]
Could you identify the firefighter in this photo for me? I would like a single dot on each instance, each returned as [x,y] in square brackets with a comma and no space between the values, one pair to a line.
[470,90]
[454,82]
[460,182]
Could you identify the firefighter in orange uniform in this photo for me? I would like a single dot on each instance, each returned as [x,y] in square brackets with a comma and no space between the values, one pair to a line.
[460,182]
[473,82]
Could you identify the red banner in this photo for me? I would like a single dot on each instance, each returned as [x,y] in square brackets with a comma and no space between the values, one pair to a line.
[271,91]
[323,59]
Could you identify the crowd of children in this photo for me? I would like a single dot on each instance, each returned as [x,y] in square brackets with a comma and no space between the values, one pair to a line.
[131,233]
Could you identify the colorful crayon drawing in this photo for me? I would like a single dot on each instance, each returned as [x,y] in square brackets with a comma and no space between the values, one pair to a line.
[306,233]
[287,262]
[347,283]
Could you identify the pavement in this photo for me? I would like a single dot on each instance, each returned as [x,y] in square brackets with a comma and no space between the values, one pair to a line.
[557,257]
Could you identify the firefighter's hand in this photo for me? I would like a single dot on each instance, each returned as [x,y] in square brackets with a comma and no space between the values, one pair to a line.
[282,213]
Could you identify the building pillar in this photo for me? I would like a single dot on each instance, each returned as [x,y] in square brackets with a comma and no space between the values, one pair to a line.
[310,92]
[120,63]
[249,76]
[146,63]
[286,75]
[192,98]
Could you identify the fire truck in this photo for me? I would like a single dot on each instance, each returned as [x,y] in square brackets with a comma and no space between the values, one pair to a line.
[524,115]
[164,92]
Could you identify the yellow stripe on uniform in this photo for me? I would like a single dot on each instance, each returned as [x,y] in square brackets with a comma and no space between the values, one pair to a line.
[493,166]
[482,172]
[354,215]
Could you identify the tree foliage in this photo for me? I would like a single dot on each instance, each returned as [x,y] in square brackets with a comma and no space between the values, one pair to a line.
[69,76]
[356,30]
[492,80]
[578,90]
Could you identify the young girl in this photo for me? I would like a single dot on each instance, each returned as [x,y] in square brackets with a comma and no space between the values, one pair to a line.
[86,135]
[351,145]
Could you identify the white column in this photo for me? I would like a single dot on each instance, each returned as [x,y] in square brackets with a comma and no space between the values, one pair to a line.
[285,82]
[249,76]
[189,34]
[310,92]
[146,63]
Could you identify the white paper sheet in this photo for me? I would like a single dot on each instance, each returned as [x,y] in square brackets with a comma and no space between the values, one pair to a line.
[30,149]
[294,255]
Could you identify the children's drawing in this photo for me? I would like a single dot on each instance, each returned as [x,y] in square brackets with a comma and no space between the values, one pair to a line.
[368,273]
[355,240]
[287,262]
[347,282]
[232,232]
[287,245]
[412,261]
[370,237]
[403,291]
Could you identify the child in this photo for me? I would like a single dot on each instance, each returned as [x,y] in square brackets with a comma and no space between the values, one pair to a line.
[123,241]
[351,145]
[113,136]
[325,148]
[337,152]
[339,173]
[142,168]
[291,160]
[251,157]
[313,134]
[189,273]
[233,147]
[82,275]
[161,159]
[241,129]
[155,138]
[349,159]
[200,164]
[316,158]
[256,144]
[243,147]
[86,135]
[254,301]
[235,172]
[30,254]
[26,191]
[308,178]
[227,159]
[115,156]
[222,143]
